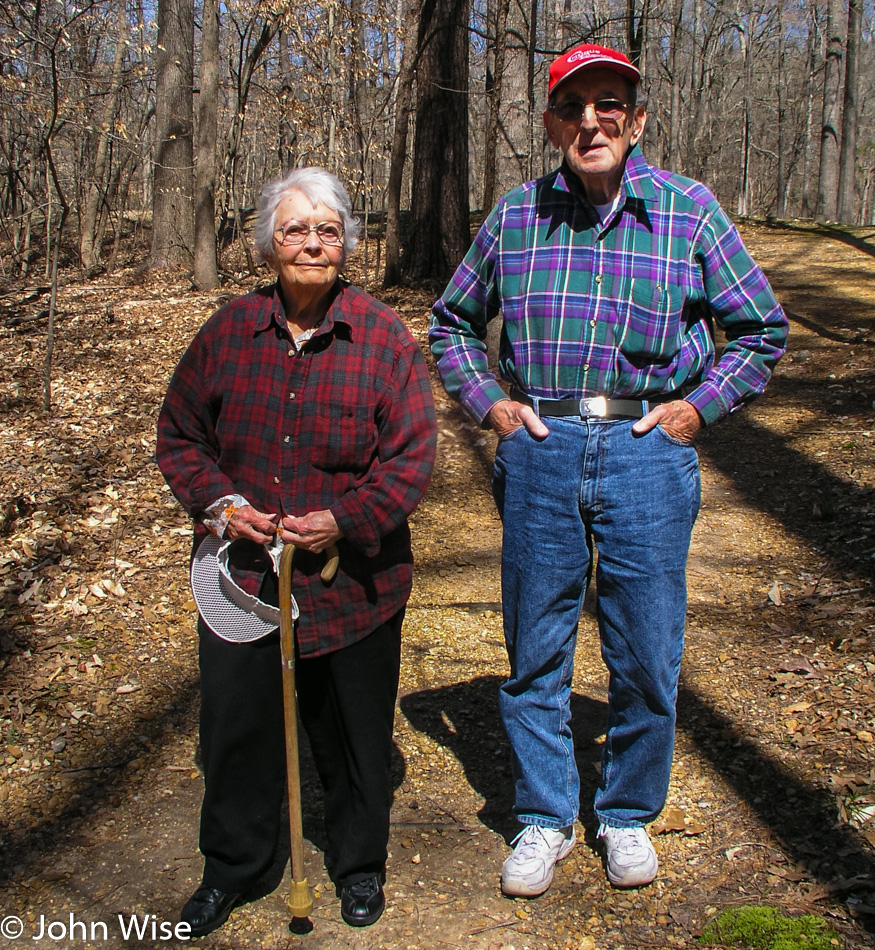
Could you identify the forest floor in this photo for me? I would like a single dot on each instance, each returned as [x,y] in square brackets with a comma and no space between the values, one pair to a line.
[773,788]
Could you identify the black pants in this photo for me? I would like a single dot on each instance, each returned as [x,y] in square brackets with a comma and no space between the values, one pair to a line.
[346,702]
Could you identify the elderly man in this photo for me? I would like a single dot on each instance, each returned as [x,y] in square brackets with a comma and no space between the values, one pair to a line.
[609,275]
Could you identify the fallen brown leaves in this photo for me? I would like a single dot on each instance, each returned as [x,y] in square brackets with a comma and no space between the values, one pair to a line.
[772,793]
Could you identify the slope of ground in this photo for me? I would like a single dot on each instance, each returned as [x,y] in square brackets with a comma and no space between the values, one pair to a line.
[773,788]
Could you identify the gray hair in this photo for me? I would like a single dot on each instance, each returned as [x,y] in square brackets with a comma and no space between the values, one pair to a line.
[318,185]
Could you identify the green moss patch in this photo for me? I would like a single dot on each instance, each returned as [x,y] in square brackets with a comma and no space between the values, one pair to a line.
[763,928]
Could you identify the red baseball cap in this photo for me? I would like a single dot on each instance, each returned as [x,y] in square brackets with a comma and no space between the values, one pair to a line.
[588,56]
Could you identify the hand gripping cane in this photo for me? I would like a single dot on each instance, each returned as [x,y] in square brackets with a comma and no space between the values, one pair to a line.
[300,901]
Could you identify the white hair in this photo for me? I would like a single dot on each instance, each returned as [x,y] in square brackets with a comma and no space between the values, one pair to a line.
[318,185]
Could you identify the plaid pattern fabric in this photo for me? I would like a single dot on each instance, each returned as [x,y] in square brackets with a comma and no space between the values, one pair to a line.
[347,423]
[620,308]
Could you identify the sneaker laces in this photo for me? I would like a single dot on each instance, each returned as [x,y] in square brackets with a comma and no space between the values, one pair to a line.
[626,840]
[530,840]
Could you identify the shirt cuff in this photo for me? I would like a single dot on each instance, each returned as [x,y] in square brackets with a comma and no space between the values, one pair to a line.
[355,525]
[709,403]
[480,397]
[217,514]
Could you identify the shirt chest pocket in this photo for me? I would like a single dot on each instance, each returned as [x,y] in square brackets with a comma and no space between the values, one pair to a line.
[344,437]
[651,320]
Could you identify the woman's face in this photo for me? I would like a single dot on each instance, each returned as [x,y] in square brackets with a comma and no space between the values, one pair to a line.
[306,270]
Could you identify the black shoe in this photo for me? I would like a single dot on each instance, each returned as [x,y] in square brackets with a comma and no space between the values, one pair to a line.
[362,903]
[207,909]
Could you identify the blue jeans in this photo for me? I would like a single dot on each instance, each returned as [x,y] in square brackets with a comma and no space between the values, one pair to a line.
[636,498]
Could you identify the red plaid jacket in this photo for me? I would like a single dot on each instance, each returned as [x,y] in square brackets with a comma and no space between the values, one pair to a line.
[346,423]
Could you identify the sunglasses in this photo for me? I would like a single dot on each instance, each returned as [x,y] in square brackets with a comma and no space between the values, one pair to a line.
[573,110]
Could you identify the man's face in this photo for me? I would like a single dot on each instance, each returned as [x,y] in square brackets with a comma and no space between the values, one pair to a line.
[595,148]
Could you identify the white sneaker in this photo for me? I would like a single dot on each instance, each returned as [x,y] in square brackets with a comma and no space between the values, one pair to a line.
[529,870]
[631,859]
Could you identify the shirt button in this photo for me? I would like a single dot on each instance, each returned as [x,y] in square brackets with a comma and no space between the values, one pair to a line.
[598,278]
[291,395]
[291,352]
[592,323]
[287,439]
[276,481]
[586,367]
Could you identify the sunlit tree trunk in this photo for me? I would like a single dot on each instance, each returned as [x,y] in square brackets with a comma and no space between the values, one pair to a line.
[746,58]
[782,120]
[332,85]
[829,136]
[206,273]
[536,129]
[807,204]
[172,212]
[847,209]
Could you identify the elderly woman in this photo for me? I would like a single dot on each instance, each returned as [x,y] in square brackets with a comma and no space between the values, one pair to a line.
[302,408]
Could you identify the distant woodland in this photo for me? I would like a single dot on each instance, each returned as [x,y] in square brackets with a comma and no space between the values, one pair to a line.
[121,114]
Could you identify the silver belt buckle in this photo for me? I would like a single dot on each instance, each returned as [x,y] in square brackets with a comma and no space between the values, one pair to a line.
[594,406]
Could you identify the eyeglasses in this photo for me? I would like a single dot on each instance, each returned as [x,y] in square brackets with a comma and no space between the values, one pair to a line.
[292,233]
[573,110]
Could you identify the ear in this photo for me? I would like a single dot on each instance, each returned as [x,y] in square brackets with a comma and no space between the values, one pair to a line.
[639,120]
[550,126]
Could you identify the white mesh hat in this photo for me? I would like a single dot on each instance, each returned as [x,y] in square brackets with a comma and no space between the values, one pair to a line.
[226,608]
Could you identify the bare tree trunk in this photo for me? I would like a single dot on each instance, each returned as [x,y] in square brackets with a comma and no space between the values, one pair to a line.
[674,124]
[513,158]
[806,210]
[404,83]
[53,299]
[536,131]
[782,120]
[235,133]
[206,271]
[288,134]
[440,231]
[332,85]
[635,29]
[53,179]
[829,138]
[493,118]
[847,210]
[746,55]
[172,213]
[90,236]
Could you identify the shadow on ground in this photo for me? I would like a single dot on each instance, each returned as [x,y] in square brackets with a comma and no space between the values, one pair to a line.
[464,719]
[822,509]
[802,817]
[131,736]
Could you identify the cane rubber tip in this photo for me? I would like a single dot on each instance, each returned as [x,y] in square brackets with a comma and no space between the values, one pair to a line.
[300,925]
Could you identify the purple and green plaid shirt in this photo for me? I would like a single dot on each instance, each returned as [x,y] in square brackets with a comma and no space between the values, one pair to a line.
[623,307]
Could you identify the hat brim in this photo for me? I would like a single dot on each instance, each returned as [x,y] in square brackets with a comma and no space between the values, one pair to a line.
[225,607]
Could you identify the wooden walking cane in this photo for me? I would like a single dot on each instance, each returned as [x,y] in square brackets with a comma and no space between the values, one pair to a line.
[300,901]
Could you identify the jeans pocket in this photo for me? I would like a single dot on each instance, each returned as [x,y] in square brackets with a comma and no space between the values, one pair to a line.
[511,435]
[671,439]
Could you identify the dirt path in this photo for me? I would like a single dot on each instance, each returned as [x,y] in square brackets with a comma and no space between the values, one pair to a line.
[776,707]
